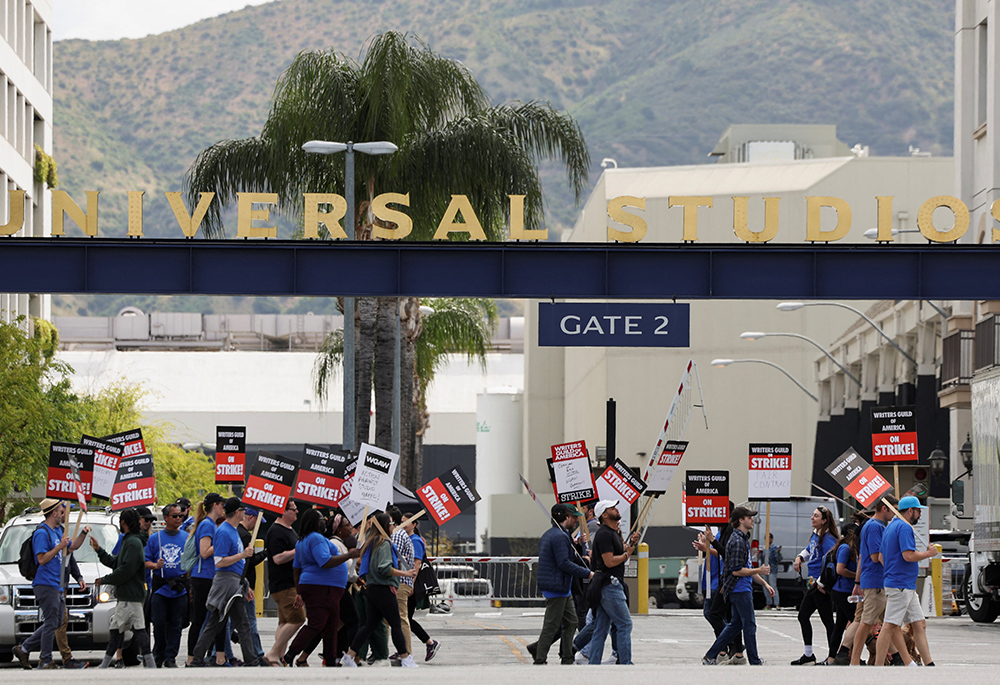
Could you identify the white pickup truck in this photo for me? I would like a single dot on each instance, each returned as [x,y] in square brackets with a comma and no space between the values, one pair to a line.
[89,610]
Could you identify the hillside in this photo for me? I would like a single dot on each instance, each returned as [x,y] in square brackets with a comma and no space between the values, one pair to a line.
[651,83]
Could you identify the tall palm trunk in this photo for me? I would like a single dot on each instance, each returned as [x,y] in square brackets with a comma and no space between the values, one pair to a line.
[385,340]
[366,308]
[412,469]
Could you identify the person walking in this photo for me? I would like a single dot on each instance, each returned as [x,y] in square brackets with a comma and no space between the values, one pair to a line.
[404,549]
[557,566]
[62,640]
[419,559]
[379,567]
[720,611]
[736,587]
[48,543]
[280,544]
[320,580]
[900,561]
[129,580]
[773,559]
[846,560]
[209,512]
[244,529]
[169,601]
[708,581]
[229,587]
[610,555]
[824,538]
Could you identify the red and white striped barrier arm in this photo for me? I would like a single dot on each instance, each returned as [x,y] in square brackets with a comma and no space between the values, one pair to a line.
[480,560]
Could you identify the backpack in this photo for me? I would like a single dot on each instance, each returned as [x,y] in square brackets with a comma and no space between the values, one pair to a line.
[189,556]
[828,575]
[27,561]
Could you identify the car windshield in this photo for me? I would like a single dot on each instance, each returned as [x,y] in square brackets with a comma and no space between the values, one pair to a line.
[14,536]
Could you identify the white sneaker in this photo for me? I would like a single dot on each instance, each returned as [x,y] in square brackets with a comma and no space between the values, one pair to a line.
[610,659]
[408,662]
[347,662]
[581,658]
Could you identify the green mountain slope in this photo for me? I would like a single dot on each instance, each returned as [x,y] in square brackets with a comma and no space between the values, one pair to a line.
[651,83]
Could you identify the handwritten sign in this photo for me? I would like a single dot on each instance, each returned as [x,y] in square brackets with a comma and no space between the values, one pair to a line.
[574,479]
[770,471]
[107,455]
[371,485]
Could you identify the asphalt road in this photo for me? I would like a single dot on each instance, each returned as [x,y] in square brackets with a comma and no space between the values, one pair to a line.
[488,646]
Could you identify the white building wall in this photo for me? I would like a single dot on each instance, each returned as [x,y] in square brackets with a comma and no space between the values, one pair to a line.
[25,121]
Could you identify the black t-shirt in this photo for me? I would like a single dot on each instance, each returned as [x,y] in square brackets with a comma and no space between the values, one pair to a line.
[279,539]
[608,540]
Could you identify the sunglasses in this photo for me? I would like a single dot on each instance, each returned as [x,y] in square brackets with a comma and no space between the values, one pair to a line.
[175,516]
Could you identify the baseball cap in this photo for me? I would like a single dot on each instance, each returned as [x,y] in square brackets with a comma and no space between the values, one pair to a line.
[213,498]
[560,511]
[232,505]
[184,502]
[48,504]
[603,505]
[250,511]
[910,502]
[145,513]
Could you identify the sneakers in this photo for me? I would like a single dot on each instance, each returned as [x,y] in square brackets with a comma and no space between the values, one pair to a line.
[75,664]
[723,659]
[48,665]
[432,650]
[842,659]
[533,650]
[394,660]
[804,660]
[610,659]
[706,661]
[169,663]
[22,656]
[408,662]
[347,662]
[737,660]
[759,663]
[581,658]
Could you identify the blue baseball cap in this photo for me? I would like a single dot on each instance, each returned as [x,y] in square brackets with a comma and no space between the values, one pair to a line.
[250,511]
[910,502]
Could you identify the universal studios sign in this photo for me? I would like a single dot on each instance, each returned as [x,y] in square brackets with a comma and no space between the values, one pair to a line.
[390,209]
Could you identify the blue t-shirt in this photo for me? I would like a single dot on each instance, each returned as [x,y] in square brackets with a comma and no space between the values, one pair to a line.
[844,557]
[745,583]
[897,571]
[163,545]
[419,548]
[817,552]
[203,568]
[311,552]
[43,540]
[227,543]
[871,543]
[715,574]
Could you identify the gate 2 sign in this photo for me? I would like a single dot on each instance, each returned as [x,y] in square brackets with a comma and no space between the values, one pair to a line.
[598,324]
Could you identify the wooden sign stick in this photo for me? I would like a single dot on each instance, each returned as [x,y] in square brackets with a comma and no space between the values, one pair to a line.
[364,523]
[407,521]
[256,528]
[900,517]
[895,474]
[767,536]
[583,525]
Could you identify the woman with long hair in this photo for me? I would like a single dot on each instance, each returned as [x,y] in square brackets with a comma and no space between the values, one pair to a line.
[209,512]
[380,569]
[847,569]
[320,579]
[824,538]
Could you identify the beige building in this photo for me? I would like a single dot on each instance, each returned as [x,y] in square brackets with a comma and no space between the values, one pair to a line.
[566,388]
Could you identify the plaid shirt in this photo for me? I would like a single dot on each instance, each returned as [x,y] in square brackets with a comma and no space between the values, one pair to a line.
[737,556]
[404,548]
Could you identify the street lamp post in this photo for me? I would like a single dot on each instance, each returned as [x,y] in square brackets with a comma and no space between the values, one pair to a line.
[324,147]
[754,335]
[726,362]
[792,306]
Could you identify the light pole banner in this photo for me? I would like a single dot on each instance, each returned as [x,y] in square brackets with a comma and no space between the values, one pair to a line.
[894,434]
[770,471]
[858,477]
[659,475]
[574,479]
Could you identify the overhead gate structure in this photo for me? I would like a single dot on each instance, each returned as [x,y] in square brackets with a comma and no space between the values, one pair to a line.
[510,269]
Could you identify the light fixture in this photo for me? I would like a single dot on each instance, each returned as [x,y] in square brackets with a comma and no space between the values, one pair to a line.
[721,363]
[792,306]
[938,460]
[757,335]
[965,451]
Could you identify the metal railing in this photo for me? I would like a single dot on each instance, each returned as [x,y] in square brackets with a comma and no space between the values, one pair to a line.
[987,343]
[507,580]
[957,356]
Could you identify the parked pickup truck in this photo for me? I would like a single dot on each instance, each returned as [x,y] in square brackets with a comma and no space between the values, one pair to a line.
[89,610]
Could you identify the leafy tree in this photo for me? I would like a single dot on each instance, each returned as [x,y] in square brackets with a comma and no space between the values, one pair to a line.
[451,141]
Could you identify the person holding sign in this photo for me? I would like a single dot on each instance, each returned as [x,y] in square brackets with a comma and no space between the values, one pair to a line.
[736,586]
[379,567]
[824,538]
[900,560]
[557,566]
[47,543]
[608,584]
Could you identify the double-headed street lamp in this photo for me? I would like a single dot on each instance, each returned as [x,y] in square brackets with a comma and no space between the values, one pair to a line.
[754,335]
[324,147]
[726,362]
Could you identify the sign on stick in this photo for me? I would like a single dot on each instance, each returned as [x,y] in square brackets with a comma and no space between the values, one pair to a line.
[230,455]
[858,477]
[107,455]
[894,434]
[371,485]
[574,479]
[135,483]
[270,482]
[660,473]
[71,467]
[707,501]
[322,474]
[448,495]
[770,471]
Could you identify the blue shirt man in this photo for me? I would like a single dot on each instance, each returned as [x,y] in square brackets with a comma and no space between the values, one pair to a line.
[168,604]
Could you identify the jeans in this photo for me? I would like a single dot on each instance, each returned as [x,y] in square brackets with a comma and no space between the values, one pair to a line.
[719,616]
[772,580]
[559,611]
[742,620]
[612,611]
[53,605]
[219,624]
[168,621]
[252,621]
[582,639]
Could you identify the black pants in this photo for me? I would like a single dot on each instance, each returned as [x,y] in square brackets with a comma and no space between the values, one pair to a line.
[415,628]
[845,614]
[322,619]
[813,601]
[199,590]
[380,603]
[719,615]
[168,622]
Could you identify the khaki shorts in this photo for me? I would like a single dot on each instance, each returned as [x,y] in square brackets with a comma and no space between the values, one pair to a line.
[286,613]
[128,615]
[873,606]
[902,607]
[859,611]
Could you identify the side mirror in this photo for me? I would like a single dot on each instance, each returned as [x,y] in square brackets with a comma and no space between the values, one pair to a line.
[958,492]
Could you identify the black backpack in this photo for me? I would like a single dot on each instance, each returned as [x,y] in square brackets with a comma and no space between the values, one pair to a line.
[828,575]
[27,561]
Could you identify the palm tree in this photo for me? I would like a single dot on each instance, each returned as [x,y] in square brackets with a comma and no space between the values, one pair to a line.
[461,326]
[451,141]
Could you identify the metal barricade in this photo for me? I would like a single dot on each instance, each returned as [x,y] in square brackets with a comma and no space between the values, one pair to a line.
[496,581]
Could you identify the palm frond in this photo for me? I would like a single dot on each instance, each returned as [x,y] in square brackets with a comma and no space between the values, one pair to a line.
[456,326]
[329,361]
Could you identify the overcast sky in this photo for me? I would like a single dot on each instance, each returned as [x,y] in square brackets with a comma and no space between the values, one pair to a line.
[114,19]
